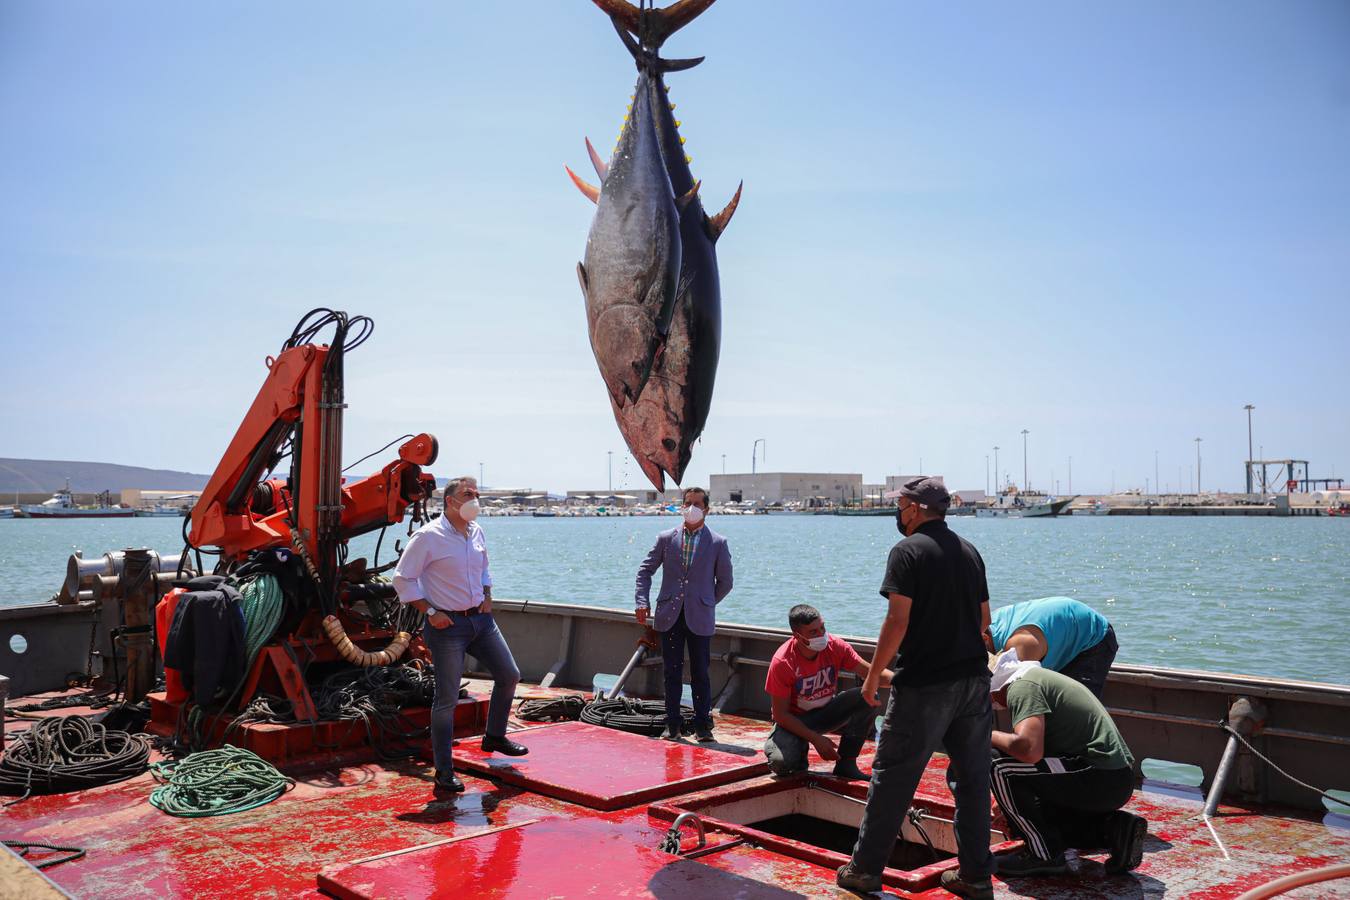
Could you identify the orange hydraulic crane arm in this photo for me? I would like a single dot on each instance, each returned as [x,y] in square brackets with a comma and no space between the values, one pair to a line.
[302,400]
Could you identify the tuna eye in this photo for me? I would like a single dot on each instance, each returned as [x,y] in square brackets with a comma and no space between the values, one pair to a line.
[668,444]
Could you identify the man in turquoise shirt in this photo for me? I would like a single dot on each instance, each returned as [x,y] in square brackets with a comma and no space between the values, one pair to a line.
[1061,634]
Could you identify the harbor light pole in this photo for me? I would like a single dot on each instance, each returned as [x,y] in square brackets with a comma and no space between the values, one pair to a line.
[1070,474]
[1156,482]
[480,475]
[996,484]
[754,448]
[986,474]
[1026,484]
[1249,409]
[724,464]
[1197,464]
[610,455]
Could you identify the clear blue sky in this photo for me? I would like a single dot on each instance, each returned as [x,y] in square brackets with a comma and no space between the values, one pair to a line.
[1110,224]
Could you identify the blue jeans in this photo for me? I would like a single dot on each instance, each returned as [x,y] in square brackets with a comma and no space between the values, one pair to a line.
[673,642]
[478,635]
[958,717]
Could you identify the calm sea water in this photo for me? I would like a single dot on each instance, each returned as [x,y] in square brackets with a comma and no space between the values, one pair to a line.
[1259,596]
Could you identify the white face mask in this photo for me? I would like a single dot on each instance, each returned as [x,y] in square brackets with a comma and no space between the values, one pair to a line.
[693,515]
[817,644]
[469,511]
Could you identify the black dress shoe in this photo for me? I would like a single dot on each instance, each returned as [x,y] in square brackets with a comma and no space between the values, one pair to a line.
[503,745]
[448,781]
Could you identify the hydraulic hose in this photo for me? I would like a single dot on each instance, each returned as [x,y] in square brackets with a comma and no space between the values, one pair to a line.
[1297,880]
[358,657]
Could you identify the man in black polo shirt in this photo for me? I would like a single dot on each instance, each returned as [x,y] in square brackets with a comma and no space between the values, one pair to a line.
[938,611]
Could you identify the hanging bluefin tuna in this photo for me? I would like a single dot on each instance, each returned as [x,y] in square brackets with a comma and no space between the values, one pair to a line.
[671,407]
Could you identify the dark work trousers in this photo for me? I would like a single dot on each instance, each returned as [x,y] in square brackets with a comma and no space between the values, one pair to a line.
[1091,666]
[673,642]
[957,717]
[846,709]
[1059,802]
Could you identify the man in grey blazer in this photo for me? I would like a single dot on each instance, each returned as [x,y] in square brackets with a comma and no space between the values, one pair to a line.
[695,564]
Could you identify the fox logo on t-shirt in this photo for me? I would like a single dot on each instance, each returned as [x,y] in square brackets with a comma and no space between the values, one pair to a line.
[816,690]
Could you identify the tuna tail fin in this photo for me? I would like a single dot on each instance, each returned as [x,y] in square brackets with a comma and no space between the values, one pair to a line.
[647,59]
[660,24]
[590,190]
[718,223]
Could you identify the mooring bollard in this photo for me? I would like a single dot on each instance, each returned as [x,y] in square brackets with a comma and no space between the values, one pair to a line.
[1246,718]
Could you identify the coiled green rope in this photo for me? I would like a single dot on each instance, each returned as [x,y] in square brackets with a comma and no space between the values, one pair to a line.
[216,783]
[263,605]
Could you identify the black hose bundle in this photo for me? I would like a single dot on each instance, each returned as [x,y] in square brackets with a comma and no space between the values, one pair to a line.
[70,753]
[637,716]
[567,708]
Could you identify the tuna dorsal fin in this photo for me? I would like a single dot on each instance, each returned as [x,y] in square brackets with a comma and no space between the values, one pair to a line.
[589,190]
[585,283]
[682,202]
[601,170]
[718,223]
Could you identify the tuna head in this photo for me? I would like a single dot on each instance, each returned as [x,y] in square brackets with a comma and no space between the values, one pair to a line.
[631,270]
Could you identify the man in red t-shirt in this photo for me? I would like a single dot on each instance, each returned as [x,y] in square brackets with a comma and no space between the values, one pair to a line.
[803,684]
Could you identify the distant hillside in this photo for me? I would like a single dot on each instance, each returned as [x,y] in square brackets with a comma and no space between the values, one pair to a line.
[46,475]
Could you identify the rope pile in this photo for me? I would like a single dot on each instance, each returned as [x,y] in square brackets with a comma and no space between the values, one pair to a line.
[263,605]
[216,783]
[637,716]
[58,755]
[375,697]
[566,708]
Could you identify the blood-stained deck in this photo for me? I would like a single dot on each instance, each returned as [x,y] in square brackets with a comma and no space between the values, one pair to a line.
[377,829]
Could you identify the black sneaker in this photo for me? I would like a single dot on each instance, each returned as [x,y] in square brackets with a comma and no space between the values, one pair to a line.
[952,882]
[448,781]
[503,745]
[1024,862]
[850,880]
[670,734]
[1127,832]
[848,770]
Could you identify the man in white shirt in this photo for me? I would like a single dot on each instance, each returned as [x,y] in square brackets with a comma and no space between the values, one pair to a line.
[444,573]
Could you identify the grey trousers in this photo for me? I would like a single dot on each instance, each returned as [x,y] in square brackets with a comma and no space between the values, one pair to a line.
[846,710]
[957,717]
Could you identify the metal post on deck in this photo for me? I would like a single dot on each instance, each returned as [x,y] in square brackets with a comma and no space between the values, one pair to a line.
[1245,717]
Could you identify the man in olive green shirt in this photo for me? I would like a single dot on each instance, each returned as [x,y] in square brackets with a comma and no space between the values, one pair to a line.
[1063,773]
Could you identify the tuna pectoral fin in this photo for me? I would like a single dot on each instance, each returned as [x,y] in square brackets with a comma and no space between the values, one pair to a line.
[585,283]
[718,223]
[682,202]
[589,190]
[601,169]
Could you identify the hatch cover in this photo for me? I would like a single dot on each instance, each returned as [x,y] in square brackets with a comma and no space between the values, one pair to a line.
[606,769]
[543,858]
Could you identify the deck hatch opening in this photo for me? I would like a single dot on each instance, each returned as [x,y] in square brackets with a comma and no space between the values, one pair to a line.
[819,821]
[841,838]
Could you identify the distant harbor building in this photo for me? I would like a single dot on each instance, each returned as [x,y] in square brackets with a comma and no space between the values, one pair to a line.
[806,488]
[625,497]
[140,498]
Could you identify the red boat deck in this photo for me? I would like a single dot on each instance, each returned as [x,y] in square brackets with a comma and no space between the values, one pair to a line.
[376,829]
